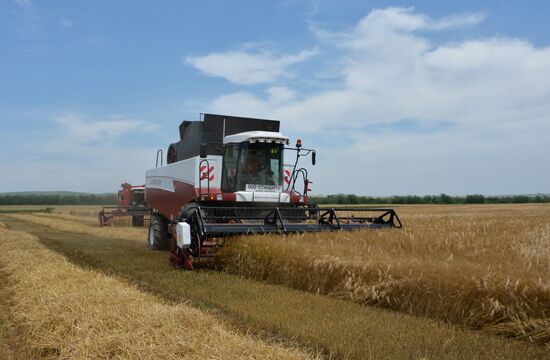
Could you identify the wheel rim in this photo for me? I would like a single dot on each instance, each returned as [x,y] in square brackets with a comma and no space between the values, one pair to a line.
[151,237]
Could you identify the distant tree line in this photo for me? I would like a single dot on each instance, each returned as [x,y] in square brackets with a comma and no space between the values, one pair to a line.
[58,199]
[429,199]
[350,199]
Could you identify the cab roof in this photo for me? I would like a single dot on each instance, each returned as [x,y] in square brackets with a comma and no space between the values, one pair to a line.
[256,136]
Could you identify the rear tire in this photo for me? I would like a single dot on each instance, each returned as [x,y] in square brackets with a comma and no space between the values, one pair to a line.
[158,233]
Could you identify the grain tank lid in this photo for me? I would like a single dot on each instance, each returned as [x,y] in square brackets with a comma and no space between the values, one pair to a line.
[183,127]
[256,136]
[213,128]
[230,125]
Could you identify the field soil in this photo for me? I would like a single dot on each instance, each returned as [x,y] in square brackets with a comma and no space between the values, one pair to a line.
[278,312]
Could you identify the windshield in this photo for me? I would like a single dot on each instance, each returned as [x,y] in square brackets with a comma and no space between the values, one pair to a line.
[253,167]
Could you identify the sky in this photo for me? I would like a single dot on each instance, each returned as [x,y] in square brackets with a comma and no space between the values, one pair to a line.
[408,97]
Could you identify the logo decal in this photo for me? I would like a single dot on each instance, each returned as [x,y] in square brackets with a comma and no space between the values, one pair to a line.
[287,176]
[208,174]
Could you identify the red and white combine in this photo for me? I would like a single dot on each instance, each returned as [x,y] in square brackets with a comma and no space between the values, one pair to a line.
[130,202]
[226,176]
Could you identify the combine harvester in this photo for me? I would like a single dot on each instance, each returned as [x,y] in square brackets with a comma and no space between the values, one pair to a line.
[225,177]
[130,202]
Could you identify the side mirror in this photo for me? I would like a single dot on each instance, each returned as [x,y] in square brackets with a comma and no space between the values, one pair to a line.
[203,150]
[313,157]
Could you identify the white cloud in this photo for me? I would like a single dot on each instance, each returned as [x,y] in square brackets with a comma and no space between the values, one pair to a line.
[380,24]
[280,94]
[460,20]
[494,92]
[31,25]
[24,4]
[66,23]
[406,19]
[395,74]
[80,153]
[246,68]
[77,129]
[94,169]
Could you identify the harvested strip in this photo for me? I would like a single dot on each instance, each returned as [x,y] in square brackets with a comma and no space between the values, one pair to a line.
[72,226]
[10,347]
[87,220]
[63,311]
[117,221]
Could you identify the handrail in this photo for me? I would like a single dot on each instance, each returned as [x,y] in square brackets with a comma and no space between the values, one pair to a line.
[161,158]
[207,177]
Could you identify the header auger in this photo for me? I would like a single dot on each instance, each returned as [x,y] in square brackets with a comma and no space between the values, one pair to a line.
[225,177]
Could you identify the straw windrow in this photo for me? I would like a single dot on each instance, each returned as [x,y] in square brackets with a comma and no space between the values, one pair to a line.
[61,223]
[58,310]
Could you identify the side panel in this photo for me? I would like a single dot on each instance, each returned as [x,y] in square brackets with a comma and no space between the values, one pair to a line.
[168,188]
[169,203]
[160,177]
[210,170]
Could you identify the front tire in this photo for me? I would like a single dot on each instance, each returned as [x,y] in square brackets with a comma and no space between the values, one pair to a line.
[187,211]
[158,233]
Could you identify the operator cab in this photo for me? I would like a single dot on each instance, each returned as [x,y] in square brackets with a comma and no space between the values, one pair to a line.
[253,162]
[138,197]
[229,161]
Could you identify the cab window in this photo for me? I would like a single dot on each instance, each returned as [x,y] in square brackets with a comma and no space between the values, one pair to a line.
[229,168]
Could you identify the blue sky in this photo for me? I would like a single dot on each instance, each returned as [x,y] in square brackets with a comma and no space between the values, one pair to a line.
[420,97]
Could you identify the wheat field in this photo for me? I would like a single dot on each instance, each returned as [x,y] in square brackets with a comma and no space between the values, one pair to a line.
[478,267]
[485,267]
